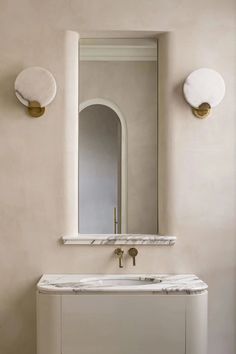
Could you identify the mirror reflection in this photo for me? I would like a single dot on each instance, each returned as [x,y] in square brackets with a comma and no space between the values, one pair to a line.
[118,136]
[99,170]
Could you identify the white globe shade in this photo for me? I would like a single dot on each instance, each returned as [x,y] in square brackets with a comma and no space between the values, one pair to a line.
[204,86]
[35,84]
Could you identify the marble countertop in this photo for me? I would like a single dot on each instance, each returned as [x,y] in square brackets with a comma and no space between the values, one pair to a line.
[96,283]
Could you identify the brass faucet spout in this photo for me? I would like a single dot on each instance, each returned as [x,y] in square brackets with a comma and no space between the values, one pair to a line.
[119,252]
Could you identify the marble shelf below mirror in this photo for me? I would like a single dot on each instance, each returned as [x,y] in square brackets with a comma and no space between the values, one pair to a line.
[119,239]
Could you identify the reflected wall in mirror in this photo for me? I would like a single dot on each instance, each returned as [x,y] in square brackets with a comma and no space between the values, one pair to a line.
[99,170]
[118,156]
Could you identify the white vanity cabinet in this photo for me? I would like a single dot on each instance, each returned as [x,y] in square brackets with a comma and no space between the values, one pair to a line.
[121,323]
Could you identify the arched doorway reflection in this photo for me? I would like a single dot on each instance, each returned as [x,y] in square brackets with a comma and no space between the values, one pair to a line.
[100,170]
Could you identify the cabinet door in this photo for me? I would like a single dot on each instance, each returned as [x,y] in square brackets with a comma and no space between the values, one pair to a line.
[123,324]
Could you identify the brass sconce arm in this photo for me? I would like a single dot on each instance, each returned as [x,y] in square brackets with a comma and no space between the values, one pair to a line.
[202,111]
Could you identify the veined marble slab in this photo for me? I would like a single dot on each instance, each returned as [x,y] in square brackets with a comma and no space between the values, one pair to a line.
[151,283]
[119,239]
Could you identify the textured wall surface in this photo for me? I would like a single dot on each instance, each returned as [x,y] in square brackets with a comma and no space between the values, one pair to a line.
[197,158]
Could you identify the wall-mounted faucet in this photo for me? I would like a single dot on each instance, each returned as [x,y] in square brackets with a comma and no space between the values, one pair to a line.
[119,252]
[133,253]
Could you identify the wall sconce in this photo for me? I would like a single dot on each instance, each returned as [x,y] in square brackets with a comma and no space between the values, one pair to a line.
[35,87]
[203,89]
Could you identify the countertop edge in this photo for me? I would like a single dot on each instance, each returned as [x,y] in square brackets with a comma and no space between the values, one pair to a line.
[176,284]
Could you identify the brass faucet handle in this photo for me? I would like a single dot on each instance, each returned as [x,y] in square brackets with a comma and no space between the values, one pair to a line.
[119,252]
[133,253]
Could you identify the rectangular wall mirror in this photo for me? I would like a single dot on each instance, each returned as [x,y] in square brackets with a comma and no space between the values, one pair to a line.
[118,136]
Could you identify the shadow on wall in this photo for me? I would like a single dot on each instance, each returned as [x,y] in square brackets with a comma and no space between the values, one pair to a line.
[7,94]
[179,97]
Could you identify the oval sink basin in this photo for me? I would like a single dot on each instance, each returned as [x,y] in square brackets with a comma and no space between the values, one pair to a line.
[118,281]
[108,282]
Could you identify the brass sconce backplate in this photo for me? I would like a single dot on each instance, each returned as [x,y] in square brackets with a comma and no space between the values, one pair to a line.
[35,110]
[202,111]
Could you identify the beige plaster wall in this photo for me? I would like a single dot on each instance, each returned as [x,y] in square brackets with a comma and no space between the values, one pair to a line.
[197,158]
[132,86]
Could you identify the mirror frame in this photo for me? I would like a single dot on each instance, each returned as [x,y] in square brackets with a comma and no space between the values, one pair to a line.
[69,229]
